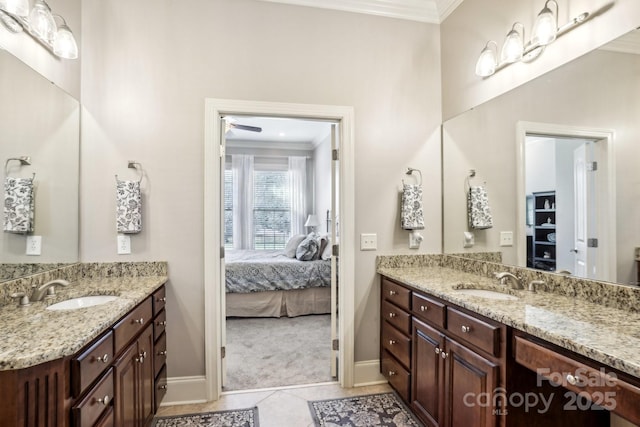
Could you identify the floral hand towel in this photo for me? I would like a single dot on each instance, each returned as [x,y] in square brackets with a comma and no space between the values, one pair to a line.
[479,212]
[129,207]
[19,205]
[412,217]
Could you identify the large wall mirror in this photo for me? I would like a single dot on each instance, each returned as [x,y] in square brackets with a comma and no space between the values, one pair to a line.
[559,159]
[41,121]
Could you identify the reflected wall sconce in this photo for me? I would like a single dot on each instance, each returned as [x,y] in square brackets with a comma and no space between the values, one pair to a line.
[48,29]
[514,49]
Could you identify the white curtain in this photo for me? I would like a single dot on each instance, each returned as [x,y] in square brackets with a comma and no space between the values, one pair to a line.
[298,188]
[242,168]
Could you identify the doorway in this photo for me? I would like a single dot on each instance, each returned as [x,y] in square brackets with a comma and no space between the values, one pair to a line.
[215,110]
[564,181]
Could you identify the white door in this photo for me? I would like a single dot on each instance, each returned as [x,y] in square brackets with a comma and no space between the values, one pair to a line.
[584,224]
[333,217]
[222,296]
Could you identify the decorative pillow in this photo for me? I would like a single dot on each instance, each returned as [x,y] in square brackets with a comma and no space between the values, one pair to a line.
[325,254]
[308,248]
[323,242]
[292,245]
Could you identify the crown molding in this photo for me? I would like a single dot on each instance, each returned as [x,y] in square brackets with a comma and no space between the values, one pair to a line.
[430,11]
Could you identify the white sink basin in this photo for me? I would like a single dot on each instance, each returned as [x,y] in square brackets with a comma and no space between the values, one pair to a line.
[82,302]
[485,293]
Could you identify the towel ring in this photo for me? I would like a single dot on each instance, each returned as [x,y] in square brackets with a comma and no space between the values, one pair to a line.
[472,174]
[411,170]
[24,161]
[134,165]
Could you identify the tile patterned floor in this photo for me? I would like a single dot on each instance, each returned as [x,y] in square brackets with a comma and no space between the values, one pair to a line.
[284,407]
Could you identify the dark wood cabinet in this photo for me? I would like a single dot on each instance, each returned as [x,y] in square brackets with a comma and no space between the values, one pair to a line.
[428,387]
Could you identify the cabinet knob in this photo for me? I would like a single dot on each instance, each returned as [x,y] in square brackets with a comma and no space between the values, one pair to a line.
[466,329]
[437,350]
[103,359]
[392,293]
[392,342]
[105,400]
[163,299]
[139,321]
[392,315]
[161,323]
[163,387]
[571,379]
[444,355]
[423,308]
[162,353]
[392,373]
[140,358]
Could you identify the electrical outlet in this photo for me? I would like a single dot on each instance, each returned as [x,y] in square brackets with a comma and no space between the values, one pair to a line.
[506,238]
[415,238]
[368,242]
[34,245]
[124,244]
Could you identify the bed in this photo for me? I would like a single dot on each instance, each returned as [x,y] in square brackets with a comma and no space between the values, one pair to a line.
[263,283]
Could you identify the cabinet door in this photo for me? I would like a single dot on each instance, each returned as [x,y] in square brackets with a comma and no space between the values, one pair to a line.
[146,377]
[427,371]
[125,405]
[470,384]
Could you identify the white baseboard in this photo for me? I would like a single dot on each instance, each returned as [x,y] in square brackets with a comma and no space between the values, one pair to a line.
[367,373]
[185,390]
[188,390]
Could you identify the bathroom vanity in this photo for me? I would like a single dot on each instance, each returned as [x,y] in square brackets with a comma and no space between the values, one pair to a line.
[524,359]
[103,365]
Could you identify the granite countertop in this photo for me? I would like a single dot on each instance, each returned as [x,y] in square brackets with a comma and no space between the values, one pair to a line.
[608,335]
[33,335]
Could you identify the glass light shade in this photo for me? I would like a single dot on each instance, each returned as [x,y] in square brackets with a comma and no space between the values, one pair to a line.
[512,48]
[545,28]
[41,21]
[65,45]
[15,7]
[487,63]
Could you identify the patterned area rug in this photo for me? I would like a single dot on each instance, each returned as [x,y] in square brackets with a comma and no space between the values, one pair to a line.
[234,418]
[384,409]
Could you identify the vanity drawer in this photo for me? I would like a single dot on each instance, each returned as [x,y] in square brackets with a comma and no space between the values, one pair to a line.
[87,411]
[90,363]
[107,420]
[397,344]
[159,324]
[602,388]
[161,387]
[399,295]
[132,324]
[428,310]
[159,300]
[398,377]
[397,317]
[160,354]
[483,335]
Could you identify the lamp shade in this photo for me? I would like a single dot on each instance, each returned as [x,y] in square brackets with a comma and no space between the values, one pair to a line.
[487,62]
[41,21]
[312,221]
[65,45]
[513,46]
[15,7]
[546,26]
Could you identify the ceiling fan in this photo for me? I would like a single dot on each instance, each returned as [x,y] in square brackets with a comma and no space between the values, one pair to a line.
[231,125]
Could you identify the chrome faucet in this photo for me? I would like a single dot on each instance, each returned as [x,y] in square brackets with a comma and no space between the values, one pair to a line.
[504,275]
[47,289]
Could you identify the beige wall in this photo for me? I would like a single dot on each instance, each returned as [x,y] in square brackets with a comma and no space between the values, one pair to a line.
[465,32]
[147,69]
[63,72]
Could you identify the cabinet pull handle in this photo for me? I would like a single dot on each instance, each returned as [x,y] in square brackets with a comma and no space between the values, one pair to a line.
[161,323]
[140,359]
[423,308]
[437,350]
[466,329]
[571,379]
[392,315]
[444,355]
[392,373]
[105,400]
[392,342]
[103,359]
[163,387]
[163,299]
[392,293]
[139,321]
[162,353]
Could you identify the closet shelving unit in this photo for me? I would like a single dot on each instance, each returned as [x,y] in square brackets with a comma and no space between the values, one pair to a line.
[544,229]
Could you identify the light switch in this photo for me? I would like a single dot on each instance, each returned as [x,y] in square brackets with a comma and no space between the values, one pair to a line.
[368,242]
[34,245]
[124,244]
[506,238]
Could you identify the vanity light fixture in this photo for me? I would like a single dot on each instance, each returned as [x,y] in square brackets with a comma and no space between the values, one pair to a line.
[41,25]
[514,49]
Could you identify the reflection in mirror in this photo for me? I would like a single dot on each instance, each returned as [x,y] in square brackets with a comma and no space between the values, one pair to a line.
[39,120]
[592,102]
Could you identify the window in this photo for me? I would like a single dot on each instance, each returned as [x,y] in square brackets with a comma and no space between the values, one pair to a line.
[228,209]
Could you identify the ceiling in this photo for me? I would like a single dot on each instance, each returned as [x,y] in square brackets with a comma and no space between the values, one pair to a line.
[431,11]
[288,132]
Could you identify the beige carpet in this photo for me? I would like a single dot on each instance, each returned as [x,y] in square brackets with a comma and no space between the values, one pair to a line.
[274,352]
